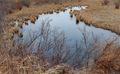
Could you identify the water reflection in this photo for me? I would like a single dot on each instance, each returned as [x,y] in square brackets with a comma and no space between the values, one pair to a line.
[59,32]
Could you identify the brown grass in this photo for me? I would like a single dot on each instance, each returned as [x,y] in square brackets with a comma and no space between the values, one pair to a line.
[107,63]
[106,17]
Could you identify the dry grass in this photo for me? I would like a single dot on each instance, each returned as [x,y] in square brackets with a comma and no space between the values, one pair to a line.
[23,15]
[107,63]
[96,14]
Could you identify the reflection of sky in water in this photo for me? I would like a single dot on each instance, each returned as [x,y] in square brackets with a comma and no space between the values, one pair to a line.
[64,22]
[73,32]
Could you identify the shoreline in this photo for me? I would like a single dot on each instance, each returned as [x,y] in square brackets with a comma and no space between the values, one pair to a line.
[105,17]
[95,14]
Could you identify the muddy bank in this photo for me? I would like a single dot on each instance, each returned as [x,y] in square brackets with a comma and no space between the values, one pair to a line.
[106,17]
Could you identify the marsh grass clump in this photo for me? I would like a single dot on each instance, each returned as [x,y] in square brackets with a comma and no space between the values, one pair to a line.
[20,35]
[50,12]
[105,2]
[14,30]
[37,17]
[117,4]
[26,22]
[64,10]
[57,12]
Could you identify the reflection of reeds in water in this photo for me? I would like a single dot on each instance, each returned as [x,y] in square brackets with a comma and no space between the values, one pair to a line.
[37,17]
[26,22]
[57,12]
[51,12]
[71,15]
[21,60]
[109,61]
[15,30]
[31,18]
[77,21]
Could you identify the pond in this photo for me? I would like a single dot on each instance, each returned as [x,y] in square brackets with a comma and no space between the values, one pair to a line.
[59,34]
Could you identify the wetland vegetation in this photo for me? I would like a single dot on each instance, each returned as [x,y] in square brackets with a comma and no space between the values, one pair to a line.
[59,37]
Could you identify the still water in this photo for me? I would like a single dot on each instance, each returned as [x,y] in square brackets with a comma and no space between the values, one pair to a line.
[61,28]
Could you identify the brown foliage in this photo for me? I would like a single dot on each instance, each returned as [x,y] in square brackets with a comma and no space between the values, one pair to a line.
[109,61]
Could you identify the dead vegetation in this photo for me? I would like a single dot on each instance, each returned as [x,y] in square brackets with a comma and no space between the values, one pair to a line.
[109,61]
[103,16]
[20,58]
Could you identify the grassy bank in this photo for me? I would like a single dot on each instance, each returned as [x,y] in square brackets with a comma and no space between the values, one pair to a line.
[98,15]
[103,16]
